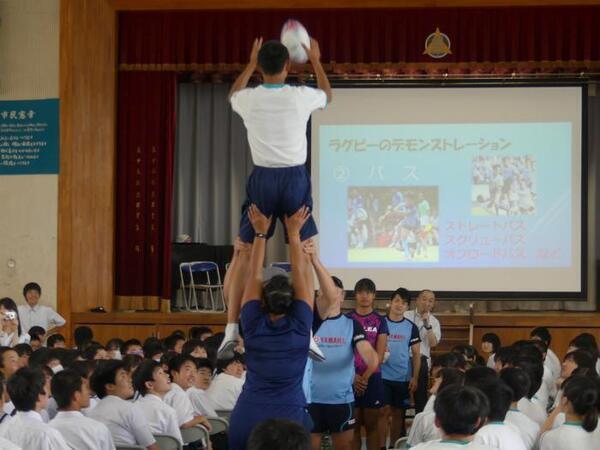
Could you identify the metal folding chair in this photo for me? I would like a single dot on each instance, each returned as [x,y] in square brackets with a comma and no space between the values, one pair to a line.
[224,414]
[401,444]
[204,276]
[194,434]
[282,265]
[166,442]
[218,424]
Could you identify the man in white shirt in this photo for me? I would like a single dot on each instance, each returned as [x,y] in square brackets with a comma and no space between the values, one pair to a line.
[34,314]
[197,393]
[152,383]
[127,424]
[27,389]
[72,393]
[226,387]
[430,333]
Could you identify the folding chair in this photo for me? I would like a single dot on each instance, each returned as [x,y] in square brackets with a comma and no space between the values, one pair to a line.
[166,442]
[282,265]
[218,424]
[201,275]
[130,447]
[401,444]
[224,414]
[194,434]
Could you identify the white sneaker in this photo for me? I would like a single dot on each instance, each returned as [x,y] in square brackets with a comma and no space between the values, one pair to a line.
[314,352]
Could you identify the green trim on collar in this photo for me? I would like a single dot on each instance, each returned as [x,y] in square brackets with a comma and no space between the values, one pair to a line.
[273,85]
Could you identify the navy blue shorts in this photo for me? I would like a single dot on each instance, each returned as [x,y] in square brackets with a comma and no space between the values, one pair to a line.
[373,396]
[277,192]
[396,393]
[332,418]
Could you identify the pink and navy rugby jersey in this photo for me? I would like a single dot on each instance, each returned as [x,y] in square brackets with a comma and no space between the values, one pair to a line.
[374,324]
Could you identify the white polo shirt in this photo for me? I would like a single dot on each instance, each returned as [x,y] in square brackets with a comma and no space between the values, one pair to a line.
[179,401]
[429,405]
[528,429]
[423,429]
[435,325]
[553,363]
[6,339]
[201,402]
[5,444]
[224,391]
[275,116]
[569,436]
[500,435]
[82,433]
[126,423]
[28,430]
[161,417]
[41,316]
[448,444]
[533,410]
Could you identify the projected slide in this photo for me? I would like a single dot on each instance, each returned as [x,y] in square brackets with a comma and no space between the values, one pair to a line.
[469,196]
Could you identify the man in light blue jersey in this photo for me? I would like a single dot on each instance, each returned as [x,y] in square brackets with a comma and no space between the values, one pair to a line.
[338,336]
[400,374]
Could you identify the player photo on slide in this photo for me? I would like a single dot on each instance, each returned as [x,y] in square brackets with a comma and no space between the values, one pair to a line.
[393,224]
[503,186]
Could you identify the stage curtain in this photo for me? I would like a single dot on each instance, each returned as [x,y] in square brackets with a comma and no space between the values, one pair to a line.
[553,37]
[145,153]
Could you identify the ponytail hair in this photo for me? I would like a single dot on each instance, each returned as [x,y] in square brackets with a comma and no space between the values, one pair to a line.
[582,392]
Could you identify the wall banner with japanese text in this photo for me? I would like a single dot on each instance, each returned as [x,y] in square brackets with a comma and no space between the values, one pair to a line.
[29,137]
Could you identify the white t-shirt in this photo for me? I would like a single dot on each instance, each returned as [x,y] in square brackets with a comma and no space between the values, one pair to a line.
[429,405]
[41,316]
[446,444]
[5,444]
[6,339]
[569,437]
[126,423]
[179,401]
[201,402]
[437,331]
[82,433]
[423,429]
[224,391]
[528,429]
[553,364]
[161,417]
[275,117]
[28,430]
[532,410]
[491,362]
[501,436]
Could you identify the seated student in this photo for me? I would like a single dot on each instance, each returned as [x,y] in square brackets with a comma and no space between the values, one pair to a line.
[552,361]
[458,413]
[195,348]
[183,371]
[83,337]
[503,357]
[132,347]
[85,370]
[9,361]
[33,314]
[56,341]
[27,428]
[95,351]
[490,343]
[11,330]
[448,360]
[153,348]
[113,348]
[174,343]
[4,415]
[152,383]
[470,354]
[586,341]
[131,362]
[226,387]
[36,339]
[496,433]
[579,403]
[127,424]
[72,395]
[535,372]
[24,351]
[197,393]
[518,381]
[423,428]
[279,434]
[200,333]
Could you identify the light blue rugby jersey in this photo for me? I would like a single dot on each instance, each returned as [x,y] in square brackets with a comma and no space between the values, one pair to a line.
[331,381]
[403,335]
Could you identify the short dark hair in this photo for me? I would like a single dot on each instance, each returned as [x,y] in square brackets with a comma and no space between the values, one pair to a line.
[365,285]
[222,364]
[25,386]
[499,396]
[64,385]
[197,332]
[152,347]
[534,370]
[191,345]
[272,57]
[90,351]
[178,361]
[459,409]
[143,373]
[23,349]
[114,343]
[450,376]
[338,283]
[83,335]
[478,374]
[36,331]
[129,343]
[84,368]
[53,339]
[104,374]
[32,287]
[504,355]
[517,380]
[278,434]
[582,358]
[543,333]
[204,363]
[493,339]
[403,293]
[131,362]
[3,350]
[450,359]
[585,341]
[171,341]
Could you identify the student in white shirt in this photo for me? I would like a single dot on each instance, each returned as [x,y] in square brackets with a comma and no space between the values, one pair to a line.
[195,348]
[126,423]
[496,433]
[152,383]
[12,332]
[9,361]
[552,361]
[490,343]
[518,381]
[33,314]
[29,393]
[459,411]
[71,393]
[579,402]
[183,370]
[197,393]
[226,387]
[535,372]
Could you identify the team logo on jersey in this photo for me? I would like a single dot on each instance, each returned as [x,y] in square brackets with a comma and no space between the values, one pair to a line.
[371,329]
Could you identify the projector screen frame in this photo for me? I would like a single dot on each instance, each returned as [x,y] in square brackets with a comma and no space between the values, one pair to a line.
[380,83]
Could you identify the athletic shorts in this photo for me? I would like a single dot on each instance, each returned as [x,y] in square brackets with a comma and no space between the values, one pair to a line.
[396,393]
[332,418]
[373,396]
[277,192]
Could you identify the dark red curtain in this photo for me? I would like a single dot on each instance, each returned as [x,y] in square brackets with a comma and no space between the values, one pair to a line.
[145,152]
[180,39]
